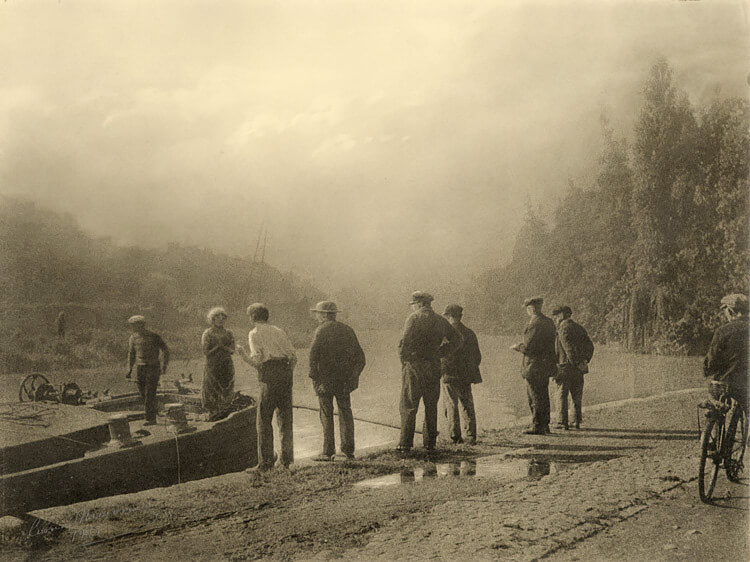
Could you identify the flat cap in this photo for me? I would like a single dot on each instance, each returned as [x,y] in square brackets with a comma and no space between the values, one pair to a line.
[736,301]
[453,310]
[564,309]
[137,319]
[325,306]
[533,300]
[421,297]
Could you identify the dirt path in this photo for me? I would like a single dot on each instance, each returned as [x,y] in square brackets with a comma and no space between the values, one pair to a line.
[628,476]
[679,527]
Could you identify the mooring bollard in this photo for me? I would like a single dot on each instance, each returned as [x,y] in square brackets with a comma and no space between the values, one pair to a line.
[119,432]
[176,418]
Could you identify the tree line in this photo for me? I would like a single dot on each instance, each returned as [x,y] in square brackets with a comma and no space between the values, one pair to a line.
[644,250]
[48,265]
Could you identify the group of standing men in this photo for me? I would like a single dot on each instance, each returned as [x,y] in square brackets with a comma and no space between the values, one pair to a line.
[433,348]
[553,348]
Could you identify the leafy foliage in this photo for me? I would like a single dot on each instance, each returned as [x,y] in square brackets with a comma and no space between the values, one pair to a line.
[48,264]
[644,252]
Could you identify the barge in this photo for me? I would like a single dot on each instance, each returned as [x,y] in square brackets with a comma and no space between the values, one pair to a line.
[56,454]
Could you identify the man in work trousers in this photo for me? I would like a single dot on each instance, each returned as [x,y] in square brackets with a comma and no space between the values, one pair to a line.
[336,361]
[459,372]
[272,355]
[143,352]
[427,338]
[574,350]
[538,364]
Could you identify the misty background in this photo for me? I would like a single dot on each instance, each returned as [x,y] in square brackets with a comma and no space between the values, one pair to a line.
[386,147]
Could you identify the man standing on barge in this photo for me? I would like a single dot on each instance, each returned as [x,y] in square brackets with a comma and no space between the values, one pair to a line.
[143,353]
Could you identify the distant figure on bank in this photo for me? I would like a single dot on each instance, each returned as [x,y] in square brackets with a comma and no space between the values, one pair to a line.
[427,338]
[218,376]
[727,357]
[538,364]
[143,352]
[336,362]
[272,355]
[459,372]
[60,325]
[574,350]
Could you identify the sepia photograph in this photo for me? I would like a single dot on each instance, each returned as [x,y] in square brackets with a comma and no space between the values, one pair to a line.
[374,280]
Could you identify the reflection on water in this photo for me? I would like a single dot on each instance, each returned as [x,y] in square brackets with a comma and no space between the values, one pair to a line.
[496,467]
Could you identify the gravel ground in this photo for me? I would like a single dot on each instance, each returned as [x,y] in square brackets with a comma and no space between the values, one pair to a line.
[632,469]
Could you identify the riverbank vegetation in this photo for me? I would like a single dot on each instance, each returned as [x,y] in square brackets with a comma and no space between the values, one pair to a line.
[49,265]
[644,250]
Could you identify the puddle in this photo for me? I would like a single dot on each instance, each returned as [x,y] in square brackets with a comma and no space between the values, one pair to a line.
[498,467]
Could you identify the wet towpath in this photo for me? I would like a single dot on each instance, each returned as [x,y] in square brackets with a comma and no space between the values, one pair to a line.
[512,496]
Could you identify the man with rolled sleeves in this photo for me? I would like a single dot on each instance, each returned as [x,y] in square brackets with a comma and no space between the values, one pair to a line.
[538,364]
[459,372]
[143,353]
[727,357]
[426,339]
[574,350]
[273,356]
[336,362]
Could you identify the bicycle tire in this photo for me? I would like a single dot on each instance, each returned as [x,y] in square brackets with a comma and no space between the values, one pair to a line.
[710,459]
[735,443]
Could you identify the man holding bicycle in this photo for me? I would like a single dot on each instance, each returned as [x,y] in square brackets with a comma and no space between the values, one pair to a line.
[727,355]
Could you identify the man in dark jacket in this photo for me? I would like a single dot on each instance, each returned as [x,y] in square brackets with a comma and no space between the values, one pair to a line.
[336,361]
[727,357]
[538,364]
[427,338]
[143,354]
[460,371]
[574,350]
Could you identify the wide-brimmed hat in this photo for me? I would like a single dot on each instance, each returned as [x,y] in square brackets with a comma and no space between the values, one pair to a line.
[736,301]
[325,306]
[421,297]
[533,300]
[137,319]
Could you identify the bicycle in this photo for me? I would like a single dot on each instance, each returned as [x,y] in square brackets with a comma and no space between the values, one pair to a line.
[721,442]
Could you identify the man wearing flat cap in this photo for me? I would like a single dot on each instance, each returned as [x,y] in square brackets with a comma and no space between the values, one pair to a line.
[427,338]
[574,350]
[459,372]
[538,363]
[727,355]
[336,362]
[143,353]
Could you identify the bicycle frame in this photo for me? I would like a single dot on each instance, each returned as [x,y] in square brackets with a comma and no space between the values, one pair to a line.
[722,414]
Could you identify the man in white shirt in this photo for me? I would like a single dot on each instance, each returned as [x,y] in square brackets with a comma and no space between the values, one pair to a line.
[272,355]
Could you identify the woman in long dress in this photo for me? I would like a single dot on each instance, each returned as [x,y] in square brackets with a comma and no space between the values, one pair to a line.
[218,377]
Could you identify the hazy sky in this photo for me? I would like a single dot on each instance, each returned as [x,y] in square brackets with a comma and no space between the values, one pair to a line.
[387,143]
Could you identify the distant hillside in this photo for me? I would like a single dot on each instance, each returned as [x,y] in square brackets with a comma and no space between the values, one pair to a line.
[48,264]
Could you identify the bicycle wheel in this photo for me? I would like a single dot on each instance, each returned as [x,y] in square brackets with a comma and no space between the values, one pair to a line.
[736,441]
[710,461]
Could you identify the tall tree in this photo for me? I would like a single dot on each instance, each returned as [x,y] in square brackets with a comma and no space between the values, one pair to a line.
[665,153]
